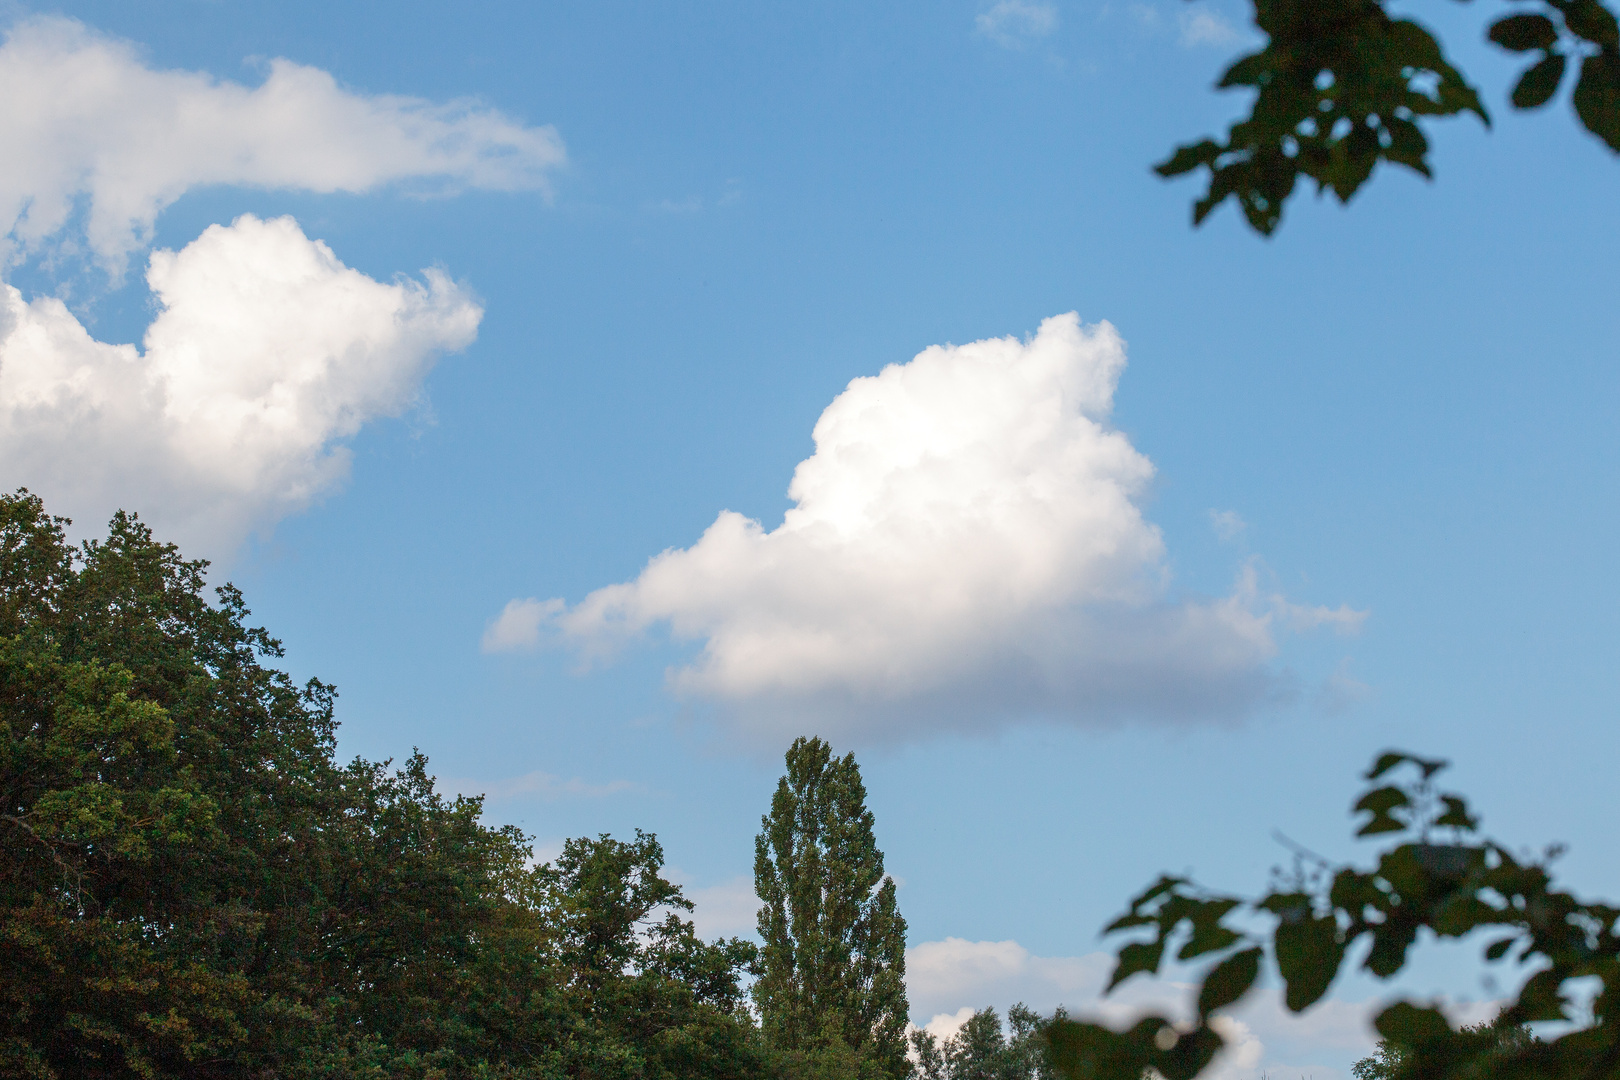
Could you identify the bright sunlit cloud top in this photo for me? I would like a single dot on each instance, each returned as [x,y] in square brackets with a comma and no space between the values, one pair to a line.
[967,547]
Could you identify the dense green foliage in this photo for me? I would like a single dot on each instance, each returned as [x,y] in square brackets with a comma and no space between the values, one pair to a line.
[1340,86]
[1440,878]
[982,1050]
[1389,1058]
[832,969]
[191,886]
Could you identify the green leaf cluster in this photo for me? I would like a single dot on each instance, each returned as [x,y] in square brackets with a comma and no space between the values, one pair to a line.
[1439,878]
[1341,86]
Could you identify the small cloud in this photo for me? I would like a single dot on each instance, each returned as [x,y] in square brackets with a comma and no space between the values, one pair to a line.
[692,204]
[1203,27]
[729,909]
[1227,524]
[1298,618]
[517,627]
[1147,17]
[1340,691]
[1012,24]
[539,785]
[944,1026]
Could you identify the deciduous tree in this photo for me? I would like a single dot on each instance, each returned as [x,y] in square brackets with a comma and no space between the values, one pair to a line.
[832,969]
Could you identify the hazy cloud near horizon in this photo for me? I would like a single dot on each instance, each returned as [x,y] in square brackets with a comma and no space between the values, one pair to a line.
[967,547]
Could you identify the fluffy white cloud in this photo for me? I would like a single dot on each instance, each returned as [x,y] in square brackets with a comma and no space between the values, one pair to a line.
[967,545]
[86,118]
[266,352]
[946,981]
[1013,23]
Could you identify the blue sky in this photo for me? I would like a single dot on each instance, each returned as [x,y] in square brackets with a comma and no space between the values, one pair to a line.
[663,240]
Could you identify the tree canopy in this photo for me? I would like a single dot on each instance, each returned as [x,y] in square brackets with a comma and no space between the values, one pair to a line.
[831,972]
[192,886]
[1341,86]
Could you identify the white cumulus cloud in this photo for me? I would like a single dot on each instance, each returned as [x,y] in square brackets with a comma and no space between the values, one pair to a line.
[265,354]
[1013,23]
[87,120]
[967,545]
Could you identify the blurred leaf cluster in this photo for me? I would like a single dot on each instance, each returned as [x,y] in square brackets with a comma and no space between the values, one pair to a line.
[1341,86]
[1442,878]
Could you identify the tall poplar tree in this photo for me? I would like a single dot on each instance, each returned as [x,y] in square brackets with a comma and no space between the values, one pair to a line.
[833,966]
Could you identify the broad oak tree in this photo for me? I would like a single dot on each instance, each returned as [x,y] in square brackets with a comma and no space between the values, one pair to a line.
[192,887]
[1441,880]
[832,967]
[1341,85]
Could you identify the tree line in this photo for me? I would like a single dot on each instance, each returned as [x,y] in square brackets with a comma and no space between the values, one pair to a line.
[193,886]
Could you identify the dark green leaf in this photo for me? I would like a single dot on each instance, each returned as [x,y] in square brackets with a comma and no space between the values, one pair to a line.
[1522,33]
[1456,815]
[1594,22]
[1597,97]
[1542,998]
[1498,949]
[1379,802]
[1389,759]
[1539,82]
[1410,1025]
[1137,956]
[1208,934]
[1187,158]
[1309,952]
[1092,1052]
[1229,980]
[1191,1052]
[1386,761]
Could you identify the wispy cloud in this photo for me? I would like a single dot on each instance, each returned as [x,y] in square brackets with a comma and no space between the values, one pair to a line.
[88,122]
[1228,525]
[1341,691]
[1012,24]
[1202,27]
[538,785]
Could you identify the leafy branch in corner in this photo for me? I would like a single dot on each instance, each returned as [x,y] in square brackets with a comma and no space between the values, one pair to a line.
[1341,86]
[1441,877]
